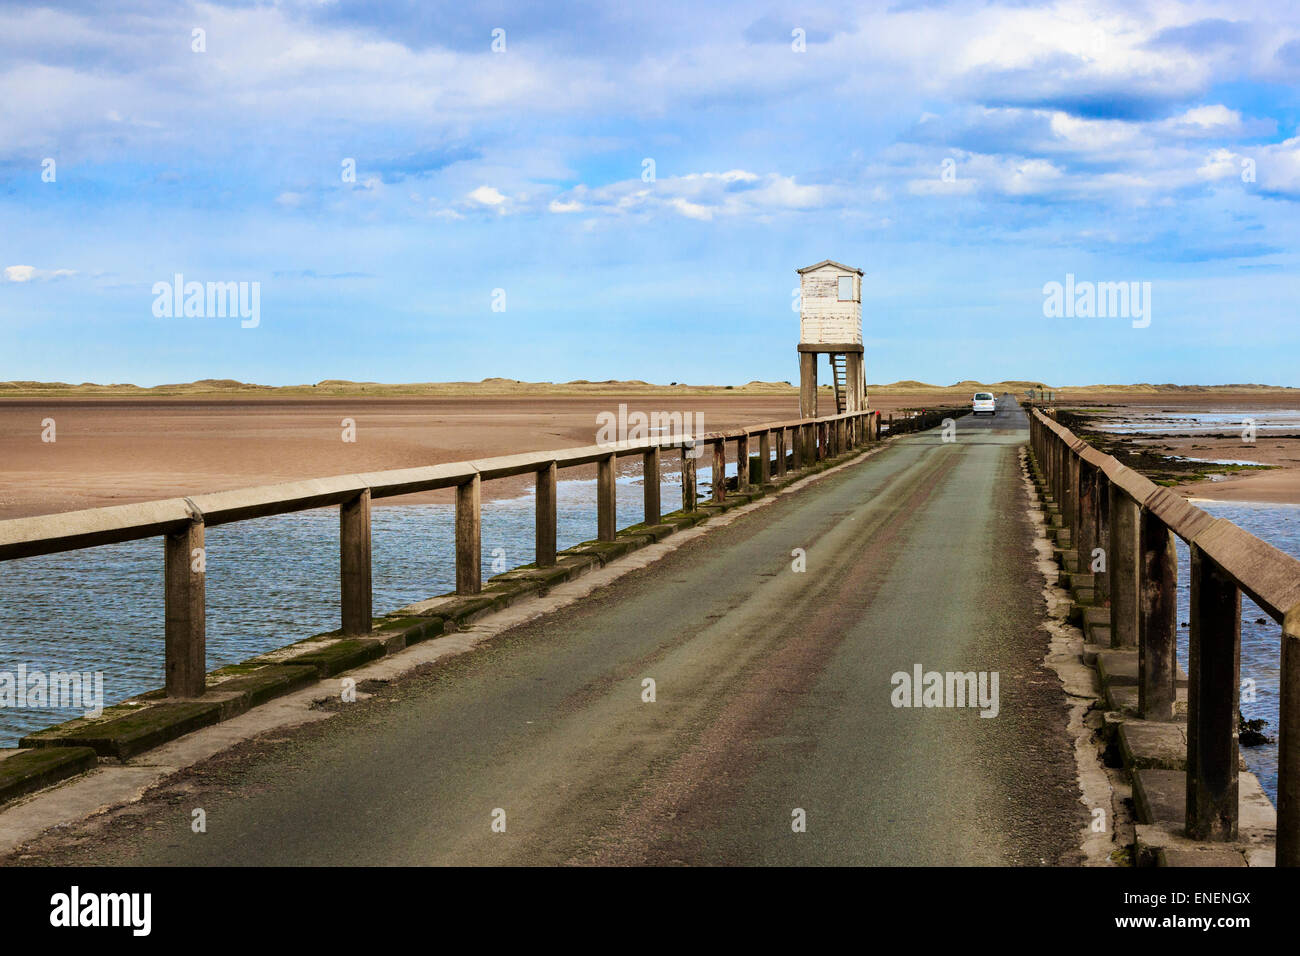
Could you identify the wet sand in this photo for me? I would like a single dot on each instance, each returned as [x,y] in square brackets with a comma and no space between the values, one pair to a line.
[120,451]
[1219,442]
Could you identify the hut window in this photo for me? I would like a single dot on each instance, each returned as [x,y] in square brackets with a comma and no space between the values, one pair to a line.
[846,288]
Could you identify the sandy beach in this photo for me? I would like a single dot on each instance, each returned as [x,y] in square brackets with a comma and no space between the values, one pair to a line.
[111,451]
[120,444]
[1206,427]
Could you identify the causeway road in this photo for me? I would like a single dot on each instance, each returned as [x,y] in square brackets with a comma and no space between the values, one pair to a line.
[773,736]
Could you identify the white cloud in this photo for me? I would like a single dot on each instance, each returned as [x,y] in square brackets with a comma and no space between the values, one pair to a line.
[31,273]
[692,210]
[487,196]
[1220,164]
[1278,167]
[701,196]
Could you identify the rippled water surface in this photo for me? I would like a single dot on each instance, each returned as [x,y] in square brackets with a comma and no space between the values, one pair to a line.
[270,582]
[1137,420]
[1260,642]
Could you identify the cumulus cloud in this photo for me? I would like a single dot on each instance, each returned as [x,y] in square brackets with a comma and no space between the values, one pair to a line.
[32,274]
[487,196]
[704,196]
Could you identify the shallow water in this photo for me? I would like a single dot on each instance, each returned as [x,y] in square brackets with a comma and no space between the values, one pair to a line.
[1260,643]
[1138,420]
[270,582]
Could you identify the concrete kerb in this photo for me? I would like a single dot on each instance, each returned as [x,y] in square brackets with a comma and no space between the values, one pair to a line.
[1100,788]
[112,760]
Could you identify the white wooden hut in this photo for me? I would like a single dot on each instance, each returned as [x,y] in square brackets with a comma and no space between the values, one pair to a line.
[830,321]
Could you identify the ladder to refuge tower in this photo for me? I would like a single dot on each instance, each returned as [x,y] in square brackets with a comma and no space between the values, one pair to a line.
[839,375]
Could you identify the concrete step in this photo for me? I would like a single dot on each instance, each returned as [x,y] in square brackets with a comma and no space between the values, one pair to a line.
[1160,799]
[1091,649]
[1153,745]
[1120,666]
[1160,795]
[1096,633]
[1124,698]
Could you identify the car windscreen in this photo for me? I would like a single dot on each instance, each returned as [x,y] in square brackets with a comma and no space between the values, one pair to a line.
[984,397]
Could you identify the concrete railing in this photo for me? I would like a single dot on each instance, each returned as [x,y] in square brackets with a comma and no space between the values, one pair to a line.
[181,521]
[1133,522]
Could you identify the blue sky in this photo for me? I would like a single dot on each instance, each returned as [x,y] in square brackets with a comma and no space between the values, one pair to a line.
[1146,142]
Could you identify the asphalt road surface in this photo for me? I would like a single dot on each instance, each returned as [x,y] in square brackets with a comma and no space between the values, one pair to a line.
[774,695]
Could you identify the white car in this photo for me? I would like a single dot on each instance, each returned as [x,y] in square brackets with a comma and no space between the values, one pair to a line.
[984,402]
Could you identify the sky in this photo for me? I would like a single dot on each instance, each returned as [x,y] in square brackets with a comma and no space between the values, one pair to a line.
[610,190]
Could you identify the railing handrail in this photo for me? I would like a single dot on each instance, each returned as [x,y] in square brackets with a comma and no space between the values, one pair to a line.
[1269,575]
[1103,502]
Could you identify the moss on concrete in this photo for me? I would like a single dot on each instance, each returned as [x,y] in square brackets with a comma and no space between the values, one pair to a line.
[30,770]
[412,629]
[545,578]
[340,656]
[125,735]
[457,610]
[657,532]
[269,682]
[602,551]
[512,592]
[684,519]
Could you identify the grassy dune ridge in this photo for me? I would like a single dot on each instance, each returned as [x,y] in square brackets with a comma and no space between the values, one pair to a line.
[210,388]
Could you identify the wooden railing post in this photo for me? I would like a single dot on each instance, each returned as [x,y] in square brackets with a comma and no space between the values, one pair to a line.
[689,490]
[606,504]
[1214,675]
[1086,529]
[764,458]
[797,446]
[1101,511]
[545,522]
[184,629]
[650,477]
[1157,619]
[1053,466]
[1288,744]
[719,469]
[1066,500]
[1125,568]
[742,462]
[1058,475]
[1074,515]
[469,542]
[781,464]
[354,564]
